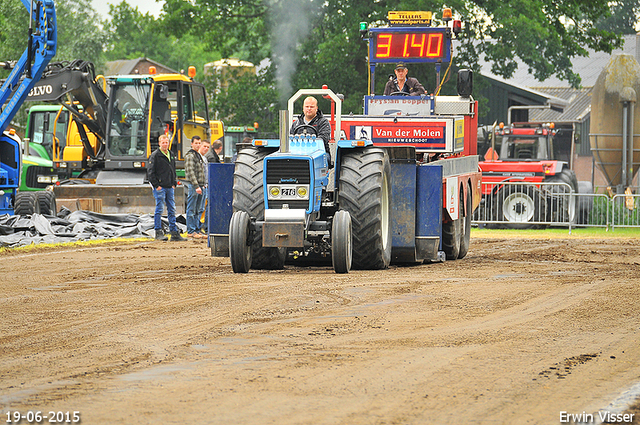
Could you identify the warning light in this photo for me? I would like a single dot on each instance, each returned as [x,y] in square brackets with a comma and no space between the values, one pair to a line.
[191,72]
[457,26]
[152,70]
[446,14]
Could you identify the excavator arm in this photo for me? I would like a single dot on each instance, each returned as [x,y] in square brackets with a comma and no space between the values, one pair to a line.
[74,86]
[28,70]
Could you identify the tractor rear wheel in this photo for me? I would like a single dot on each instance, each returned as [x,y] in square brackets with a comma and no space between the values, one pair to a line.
[562,206]
[248,196]
[365,192]
[47,202]
[26,203]
[341,242]
[240,251]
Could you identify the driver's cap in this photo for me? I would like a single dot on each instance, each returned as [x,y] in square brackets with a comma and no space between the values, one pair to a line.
[401,65]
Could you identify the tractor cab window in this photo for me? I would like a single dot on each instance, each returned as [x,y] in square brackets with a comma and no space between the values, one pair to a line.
[522,148]
[129,120]
[194,103]
[42,126]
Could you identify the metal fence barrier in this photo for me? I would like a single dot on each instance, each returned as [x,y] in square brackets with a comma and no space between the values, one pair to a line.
[625,211]
[520,205]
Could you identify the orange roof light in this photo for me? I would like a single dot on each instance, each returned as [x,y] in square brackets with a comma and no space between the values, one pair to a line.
[192,72]
[152,70]
[446,14]
[256,125]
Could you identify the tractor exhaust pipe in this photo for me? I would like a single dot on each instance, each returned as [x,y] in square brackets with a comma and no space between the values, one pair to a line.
[284,131]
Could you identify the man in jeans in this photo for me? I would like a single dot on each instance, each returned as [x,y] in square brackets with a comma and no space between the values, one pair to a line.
[204,150]
[194,174]
[161,173]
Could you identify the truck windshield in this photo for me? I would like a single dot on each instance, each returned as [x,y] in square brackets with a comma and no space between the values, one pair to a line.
[127,132]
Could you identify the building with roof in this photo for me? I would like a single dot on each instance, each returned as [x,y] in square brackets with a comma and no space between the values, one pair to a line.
[136,66]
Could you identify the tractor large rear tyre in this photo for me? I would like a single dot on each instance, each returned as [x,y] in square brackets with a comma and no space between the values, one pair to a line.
[248,196]
[365,192]
[26,203]
[47,202]
[562,207]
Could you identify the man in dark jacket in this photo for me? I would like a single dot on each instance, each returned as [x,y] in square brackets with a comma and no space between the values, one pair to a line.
[213,156]
[161,173]
[314,118]
[402,83]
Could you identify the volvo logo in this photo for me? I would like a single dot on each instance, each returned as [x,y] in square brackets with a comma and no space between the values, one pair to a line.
[40,90]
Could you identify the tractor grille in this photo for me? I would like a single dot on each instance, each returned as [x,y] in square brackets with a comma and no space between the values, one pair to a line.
[32,176]
[288,171]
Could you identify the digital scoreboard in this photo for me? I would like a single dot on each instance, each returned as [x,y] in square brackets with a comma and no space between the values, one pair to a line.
[402,44]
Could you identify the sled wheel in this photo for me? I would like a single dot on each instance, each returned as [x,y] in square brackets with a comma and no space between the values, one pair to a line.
[240,250]
[341,242]
[465,232]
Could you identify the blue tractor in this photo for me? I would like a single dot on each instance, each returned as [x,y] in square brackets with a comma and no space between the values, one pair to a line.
[283,206]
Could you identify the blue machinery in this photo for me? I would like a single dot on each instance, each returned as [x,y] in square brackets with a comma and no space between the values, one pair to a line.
[25,74]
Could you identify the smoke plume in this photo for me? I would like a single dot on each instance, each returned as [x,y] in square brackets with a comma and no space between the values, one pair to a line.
[290,23]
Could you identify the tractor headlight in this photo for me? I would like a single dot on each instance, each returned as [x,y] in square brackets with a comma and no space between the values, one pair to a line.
[302,191]
[274,191]
[44,179]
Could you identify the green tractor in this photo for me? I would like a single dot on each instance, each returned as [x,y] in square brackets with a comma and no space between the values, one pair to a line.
[45,122]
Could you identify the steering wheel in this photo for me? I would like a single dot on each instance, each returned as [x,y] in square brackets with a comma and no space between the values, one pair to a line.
[302,129]
[399,93]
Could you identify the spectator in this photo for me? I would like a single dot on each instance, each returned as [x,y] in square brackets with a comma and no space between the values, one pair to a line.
[194,174]
[214,153]
[204,227]
[161,173]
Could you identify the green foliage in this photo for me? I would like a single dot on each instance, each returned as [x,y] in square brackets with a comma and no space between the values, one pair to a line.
[625,15]
[247,100]
[79,33]
[599,214]
[131,35]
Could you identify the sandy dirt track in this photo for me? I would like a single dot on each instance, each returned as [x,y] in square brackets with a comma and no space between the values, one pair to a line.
[152,332]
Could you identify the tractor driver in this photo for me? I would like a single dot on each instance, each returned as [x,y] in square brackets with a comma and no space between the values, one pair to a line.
[312,117]
[402,85]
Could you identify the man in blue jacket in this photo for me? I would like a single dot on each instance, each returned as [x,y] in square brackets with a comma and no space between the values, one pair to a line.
[161,173]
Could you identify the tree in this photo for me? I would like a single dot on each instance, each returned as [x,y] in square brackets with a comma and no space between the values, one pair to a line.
[79,33]
[131,34]
[625,15]
[249,99]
